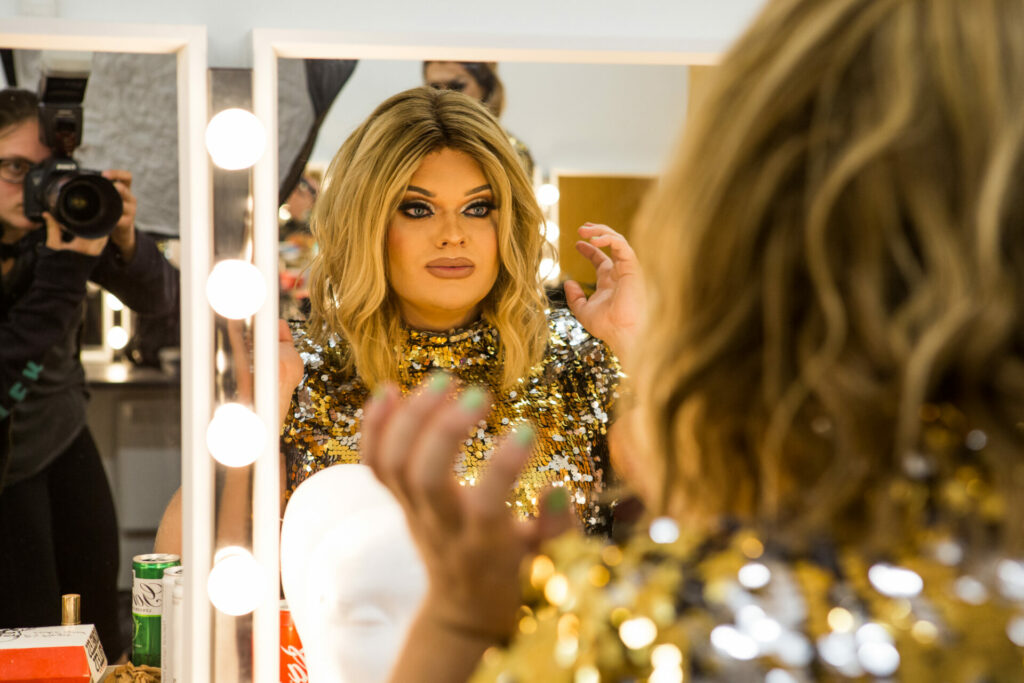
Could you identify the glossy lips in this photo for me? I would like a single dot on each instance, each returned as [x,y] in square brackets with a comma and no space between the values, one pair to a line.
[451,268]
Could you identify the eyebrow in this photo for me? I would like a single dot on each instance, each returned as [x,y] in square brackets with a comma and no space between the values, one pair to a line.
[427,193]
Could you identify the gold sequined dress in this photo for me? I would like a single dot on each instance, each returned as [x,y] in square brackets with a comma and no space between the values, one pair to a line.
[568,398]
[941,606]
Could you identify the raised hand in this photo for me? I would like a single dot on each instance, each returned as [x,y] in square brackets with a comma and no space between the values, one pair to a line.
[614,312]
[470,543]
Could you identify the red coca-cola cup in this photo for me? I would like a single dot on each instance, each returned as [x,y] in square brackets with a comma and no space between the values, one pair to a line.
[293,659]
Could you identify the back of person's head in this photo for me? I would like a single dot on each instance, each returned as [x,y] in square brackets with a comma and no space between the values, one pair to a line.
[17,106]
[364,185]
[836,260]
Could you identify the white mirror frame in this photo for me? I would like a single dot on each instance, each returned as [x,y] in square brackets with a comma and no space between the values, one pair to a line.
[268,46]
[188,43]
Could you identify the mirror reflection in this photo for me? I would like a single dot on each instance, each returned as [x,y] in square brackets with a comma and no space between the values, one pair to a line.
[419,247]
[89,212]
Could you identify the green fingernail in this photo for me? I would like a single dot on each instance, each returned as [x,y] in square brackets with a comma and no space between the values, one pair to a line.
[438,381]
[523,433]
[557,501]
[471,399]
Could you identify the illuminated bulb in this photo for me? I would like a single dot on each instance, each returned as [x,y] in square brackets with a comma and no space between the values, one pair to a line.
[284,215]
[666,674]
[547,195]
[873,633]
[664,530]
[754,575]
[117,338]
[638,632]
[895,582]
[235,139]
[235,436]
[556,590]
[237,582]
[112,302]
[840,620]
[549,269]
[1011,579]
[1015,630]
[551,231]
[235,289]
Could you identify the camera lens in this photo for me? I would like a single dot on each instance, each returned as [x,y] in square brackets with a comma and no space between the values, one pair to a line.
[87,204]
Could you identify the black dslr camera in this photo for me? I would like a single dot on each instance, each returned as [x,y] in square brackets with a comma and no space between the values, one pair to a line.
[83,201]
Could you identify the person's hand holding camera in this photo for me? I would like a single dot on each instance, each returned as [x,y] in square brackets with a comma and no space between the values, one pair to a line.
[123,235]
[55,239]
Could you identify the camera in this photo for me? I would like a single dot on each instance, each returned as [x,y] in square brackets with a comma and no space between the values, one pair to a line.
[83,201]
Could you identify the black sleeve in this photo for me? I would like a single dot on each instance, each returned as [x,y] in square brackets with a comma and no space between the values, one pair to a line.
[38,320]
[148,285]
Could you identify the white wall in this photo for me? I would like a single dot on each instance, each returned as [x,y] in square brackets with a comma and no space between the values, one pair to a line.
[229,21]
[602,118]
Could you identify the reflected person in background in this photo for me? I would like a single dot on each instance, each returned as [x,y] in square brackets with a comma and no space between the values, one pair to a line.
[58,528]
[296,246]
[480,81]
[832,387]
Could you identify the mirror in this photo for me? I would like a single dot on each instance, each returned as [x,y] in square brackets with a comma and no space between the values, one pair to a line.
[144,111]
[557,151]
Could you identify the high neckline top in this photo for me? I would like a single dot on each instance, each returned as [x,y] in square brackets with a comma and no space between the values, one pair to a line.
[568,397]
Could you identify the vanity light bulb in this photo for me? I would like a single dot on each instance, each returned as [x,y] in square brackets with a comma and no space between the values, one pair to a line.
[235,289]
[547,195]
[551,231]
[235,436]
[549,269]
[237,582]
[112,302]
[117,338]
[235,139]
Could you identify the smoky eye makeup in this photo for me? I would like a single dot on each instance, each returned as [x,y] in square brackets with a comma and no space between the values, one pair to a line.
[416,208]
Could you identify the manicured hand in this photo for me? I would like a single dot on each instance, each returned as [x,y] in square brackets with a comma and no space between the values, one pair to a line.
[469,541]
[614,312]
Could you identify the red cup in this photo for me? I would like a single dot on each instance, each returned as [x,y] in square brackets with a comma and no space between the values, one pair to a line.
[293,659]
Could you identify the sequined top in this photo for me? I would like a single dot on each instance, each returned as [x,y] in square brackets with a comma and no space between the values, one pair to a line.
[568,398]
[671,606]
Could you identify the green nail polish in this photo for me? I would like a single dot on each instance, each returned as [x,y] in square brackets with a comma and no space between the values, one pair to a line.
[557,501]
[523,433]
[438,382]
[471,399]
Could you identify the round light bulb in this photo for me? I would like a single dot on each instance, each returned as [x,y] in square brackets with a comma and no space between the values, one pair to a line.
[112,302]
[235,436]
[549,269]
[117,338]
[235,289]
[547,195]
[237,582]
[235,139]
[551,231]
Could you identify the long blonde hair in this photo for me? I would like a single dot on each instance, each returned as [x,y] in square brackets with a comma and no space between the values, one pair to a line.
[364,185]
[838,246]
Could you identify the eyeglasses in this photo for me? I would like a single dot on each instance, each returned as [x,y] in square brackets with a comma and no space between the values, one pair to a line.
[15,169]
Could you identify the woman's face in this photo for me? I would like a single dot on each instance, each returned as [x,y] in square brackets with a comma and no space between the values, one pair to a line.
[452,76]
[442,243]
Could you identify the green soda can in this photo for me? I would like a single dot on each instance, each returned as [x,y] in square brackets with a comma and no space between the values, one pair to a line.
[148,605]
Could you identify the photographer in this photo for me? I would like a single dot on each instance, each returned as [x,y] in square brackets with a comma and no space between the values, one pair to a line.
[58,529]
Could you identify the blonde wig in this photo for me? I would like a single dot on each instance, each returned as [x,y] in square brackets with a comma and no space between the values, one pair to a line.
[364,185]
[837,250]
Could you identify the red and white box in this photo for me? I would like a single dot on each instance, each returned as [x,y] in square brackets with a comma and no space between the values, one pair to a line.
[57,654]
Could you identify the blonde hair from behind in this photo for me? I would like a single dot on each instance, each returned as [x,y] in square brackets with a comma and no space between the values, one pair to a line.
[363,187]
[841,241]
